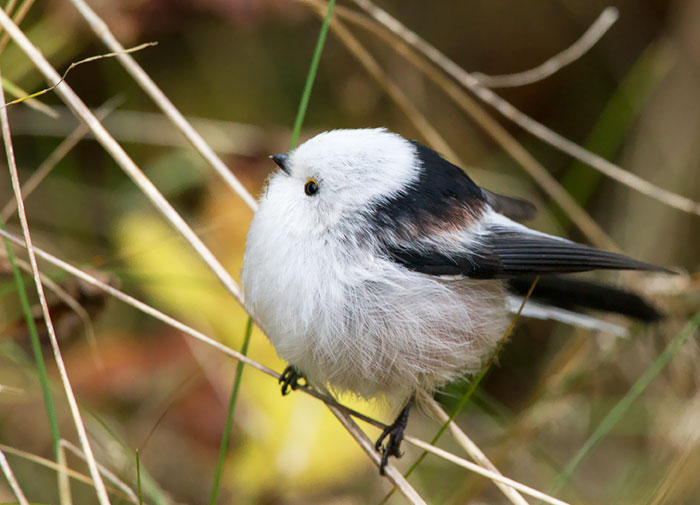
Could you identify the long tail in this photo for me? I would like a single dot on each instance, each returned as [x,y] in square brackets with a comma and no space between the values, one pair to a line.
[573,294]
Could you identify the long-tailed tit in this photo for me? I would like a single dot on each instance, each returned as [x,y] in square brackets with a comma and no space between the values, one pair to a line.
[377,267]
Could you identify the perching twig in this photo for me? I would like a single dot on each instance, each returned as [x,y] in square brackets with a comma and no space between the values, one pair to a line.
[390,470]
[523,120]
[572,53]
[73,404]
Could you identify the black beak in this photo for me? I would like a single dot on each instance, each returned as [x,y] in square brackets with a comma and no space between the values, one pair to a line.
[281,160]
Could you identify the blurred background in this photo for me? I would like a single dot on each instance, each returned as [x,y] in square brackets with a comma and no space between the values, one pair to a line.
[237,68]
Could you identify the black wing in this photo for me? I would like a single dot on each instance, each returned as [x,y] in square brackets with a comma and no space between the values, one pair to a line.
[420,230]
[502,252]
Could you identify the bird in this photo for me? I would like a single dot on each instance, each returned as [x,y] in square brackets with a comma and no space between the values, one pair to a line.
[377,267]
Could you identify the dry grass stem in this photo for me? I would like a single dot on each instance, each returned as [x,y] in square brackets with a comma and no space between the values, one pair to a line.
[482,471]
[421,123]
[471,448]
[32,103]
[144,80]
[47,463]
[73,404]
[523,120]
[11,390]
[572,53]
[11,480]
[54,159]
[499,134]
[120,484]
[141,306]
[70,302]
[17,18]
[64,494]
[76,64]
[154,128]
[366,444]
[119,155]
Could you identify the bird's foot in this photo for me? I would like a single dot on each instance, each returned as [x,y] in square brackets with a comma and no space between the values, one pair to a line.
[290,379]
[395,433]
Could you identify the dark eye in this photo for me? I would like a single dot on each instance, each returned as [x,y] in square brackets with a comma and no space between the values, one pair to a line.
[311,187]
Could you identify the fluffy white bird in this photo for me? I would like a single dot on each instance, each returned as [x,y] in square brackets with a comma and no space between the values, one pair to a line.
[377,267]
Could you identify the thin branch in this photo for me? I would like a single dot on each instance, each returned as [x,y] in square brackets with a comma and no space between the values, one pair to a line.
[73,404]
[79,108]
[481,471]
[523,120]
[11,480]
[144,80]
[390,470]
[584,44]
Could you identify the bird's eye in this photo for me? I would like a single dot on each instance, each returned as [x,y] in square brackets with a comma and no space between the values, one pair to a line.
[311,187]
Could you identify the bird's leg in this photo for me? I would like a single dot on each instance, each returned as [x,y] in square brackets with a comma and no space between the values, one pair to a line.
[395,433]
[290,379]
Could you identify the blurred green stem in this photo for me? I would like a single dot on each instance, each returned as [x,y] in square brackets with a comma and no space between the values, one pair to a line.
[36,346]
[229,416]
[301,113]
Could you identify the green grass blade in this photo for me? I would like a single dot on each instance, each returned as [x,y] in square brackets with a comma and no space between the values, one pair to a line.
[138,477]
[229,416]
[621,408]
[306,95]
[36,346]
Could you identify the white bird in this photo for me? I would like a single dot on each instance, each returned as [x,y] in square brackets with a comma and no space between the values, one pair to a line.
[377,267]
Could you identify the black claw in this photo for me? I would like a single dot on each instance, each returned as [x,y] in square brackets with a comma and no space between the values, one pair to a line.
[395,433]
[290,379]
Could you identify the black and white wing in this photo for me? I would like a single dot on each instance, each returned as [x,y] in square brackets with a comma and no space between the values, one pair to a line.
[444,224]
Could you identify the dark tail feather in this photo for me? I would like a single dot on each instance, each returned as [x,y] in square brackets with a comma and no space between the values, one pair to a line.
[574,294]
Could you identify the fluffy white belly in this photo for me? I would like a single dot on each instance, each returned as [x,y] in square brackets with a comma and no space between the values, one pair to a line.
[370,326]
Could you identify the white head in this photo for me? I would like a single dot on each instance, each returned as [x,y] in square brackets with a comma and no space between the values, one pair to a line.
[348,169]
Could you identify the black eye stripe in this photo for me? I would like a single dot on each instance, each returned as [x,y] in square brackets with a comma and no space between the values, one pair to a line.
[311,187]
